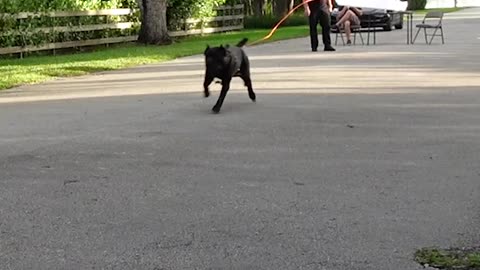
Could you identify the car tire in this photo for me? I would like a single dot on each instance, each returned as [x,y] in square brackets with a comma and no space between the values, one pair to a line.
[399,26]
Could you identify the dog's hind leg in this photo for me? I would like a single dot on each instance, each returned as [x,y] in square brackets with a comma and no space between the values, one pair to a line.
[245,75]
[208,80]
[223,94]
[248,84]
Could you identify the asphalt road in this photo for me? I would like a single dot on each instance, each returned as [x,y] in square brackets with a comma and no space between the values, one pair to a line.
[348,160]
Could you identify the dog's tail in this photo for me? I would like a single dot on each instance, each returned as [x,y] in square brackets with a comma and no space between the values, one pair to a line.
[242,42]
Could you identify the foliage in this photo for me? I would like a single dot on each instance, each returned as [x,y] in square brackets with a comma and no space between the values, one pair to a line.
[449,258]
[269,21]
[21,32]
[179,10]
[268,7]
[417,4]
[25,32]
[182,9]
[15,6]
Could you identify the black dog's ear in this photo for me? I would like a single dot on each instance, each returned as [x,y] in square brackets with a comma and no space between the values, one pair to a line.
[223,50]
[206,50]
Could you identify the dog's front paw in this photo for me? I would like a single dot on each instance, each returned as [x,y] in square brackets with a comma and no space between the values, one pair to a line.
[216,109]
[252,96]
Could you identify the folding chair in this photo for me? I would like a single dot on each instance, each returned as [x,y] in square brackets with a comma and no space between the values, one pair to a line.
[432,20]
[355,29]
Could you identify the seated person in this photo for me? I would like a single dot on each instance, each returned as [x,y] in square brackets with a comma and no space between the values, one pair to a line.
[346,18]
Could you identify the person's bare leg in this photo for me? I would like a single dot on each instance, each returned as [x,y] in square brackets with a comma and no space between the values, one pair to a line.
[347,30]
[341,16]
[342,20]
[345,18]
[342,12]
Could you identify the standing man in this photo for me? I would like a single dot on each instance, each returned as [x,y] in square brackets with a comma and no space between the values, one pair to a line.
[318,11]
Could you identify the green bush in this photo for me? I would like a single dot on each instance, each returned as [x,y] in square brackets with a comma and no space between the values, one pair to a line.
[24,32]
[15,6]
[182,9]
[269,21]
[19,32]
[179,10]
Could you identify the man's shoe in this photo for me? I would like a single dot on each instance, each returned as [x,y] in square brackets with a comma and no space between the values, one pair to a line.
[329,49]
[349,42]
[314,49]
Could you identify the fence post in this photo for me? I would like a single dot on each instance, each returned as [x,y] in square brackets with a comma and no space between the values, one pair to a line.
[53,34]
[107,21]
[223,17]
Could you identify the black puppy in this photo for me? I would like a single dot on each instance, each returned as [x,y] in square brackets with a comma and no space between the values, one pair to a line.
[225,63]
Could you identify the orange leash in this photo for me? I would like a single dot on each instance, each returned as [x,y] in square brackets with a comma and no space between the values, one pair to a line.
[279,23]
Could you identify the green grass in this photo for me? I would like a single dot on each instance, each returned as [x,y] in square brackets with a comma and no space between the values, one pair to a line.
[35,69]
[449,259]
[444,10]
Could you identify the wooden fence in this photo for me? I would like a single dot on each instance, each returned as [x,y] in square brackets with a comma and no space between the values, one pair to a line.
[229,18]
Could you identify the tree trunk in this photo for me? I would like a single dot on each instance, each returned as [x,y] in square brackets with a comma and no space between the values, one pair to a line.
[281,7]
[259,7]
[291,3]
[248,7]
[154,23]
